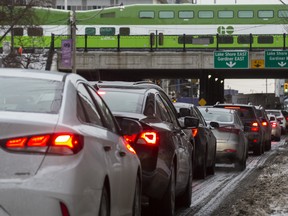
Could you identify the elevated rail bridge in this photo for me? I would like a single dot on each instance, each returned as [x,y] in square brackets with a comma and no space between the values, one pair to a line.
[211,67]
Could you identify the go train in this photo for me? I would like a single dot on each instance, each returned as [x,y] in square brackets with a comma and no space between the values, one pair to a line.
[161,26]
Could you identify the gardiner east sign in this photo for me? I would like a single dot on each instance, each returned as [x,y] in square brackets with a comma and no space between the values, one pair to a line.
[276,59]
[231,59]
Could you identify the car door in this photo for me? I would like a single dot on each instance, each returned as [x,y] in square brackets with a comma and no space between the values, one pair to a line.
[106,141]
[211,139]
[182,142]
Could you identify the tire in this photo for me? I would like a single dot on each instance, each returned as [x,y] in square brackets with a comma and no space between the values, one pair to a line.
[211,169]
[201,170]
[241,165]
[104,203]
[258,150]
[137,198]
[268,145]
[167,204]
[184,200]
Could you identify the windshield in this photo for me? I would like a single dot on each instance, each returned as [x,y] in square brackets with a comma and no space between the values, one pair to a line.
[30,95]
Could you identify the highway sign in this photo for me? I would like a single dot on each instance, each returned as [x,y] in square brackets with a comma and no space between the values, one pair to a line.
[276,59]
[231,59]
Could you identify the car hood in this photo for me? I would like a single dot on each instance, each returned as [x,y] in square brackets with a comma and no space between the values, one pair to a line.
[12,125]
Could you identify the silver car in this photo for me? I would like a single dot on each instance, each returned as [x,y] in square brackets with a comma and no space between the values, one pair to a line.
[61,151]
[232,145]
[275,127]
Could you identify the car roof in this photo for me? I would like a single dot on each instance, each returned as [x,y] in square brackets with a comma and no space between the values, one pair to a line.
[234,105]
[18,72]
[126,84]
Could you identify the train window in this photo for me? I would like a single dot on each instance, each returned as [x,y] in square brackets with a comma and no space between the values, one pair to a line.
[107,31]
[283,13]
[225,39]
[146,14]
[35,31]
[90,31]
[265,39]
[225,14]
[124,31]
[245,14]
[202,40]
[186,14]
[18,31]
[205,14]
[108,15]
[166,14]
[265,13]
[244,39]
[187,40]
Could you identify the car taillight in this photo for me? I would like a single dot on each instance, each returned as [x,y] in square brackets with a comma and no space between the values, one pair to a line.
[264,123]
[286,118]
[194,132]
[48,143]
[255,127]
[145,137]
[273,124]
[101,92]
[64,209]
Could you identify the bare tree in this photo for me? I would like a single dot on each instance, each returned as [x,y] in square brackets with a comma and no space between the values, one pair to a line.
[16,13]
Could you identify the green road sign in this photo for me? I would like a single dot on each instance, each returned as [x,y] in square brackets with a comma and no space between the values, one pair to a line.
[231,59]
[276,59]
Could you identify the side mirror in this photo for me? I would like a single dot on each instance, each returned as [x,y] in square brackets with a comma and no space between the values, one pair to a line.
[129,126]
[214,124]
[184,112]
[191,122]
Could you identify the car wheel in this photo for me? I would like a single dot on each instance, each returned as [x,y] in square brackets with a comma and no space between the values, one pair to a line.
[241,165]
[258,149]
[137,198]
[167,204]
[201,170]
[268,145]
[105,203]
[211,169]
[185,199]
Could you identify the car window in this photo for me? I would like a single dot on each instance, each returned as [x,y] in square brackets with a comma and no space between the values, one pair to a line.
[149,109]
[37,95]
[91,115]
[161,110]
[107,115]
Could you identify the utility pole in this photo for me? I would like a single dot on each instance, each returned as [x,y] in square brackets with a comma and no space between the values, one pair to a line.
[73,37]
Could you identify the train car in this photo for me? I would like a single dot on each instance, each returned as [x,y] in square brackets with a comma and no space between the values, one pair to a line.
[163,26]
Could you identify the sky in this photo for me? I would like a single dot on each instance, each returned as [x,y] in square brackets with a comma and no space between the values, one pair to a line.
[247,86]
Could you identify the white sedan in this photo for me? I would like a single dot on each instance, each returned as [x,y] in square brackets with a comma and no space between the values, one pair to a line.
[61,151]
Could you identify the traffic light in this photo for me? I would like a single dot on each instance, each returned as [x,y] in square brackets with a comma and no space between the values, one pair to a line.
[285,87]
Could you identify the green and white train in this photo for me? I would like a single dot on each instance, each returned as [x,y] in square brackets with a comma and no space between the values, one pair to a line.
[161,26]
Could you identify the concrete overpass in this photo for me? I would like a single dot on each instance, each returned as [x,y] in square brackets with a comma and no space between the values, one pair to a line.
[138,65]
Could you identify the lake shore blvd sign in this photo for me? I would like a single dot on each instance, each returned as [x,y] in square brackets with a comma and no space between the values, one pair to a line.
[231,59]
[276,58]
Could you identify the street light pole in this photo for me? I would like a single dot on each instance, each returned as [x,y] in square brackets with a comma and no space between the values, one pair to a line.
[73,37]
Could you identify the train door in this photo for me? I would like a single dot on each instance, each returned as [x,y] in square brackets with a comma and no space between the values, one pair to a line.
[156,38]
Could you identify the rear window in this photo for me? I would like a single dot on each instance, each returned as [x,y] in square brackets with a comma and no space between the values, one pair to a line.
[213,115]
[30,95]
[245,113]
[123,101]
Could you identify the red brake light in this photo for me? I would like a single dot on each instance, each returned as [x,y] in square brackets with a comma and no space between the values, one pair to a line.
[50,143]
[255,127]
[149,137]
[194,132]
[273,124]
[16,143]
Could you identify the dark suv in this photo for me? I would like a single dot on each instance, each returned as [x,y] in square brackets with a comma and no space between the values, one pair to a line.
[261,113]
[163,148]
[256,133]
